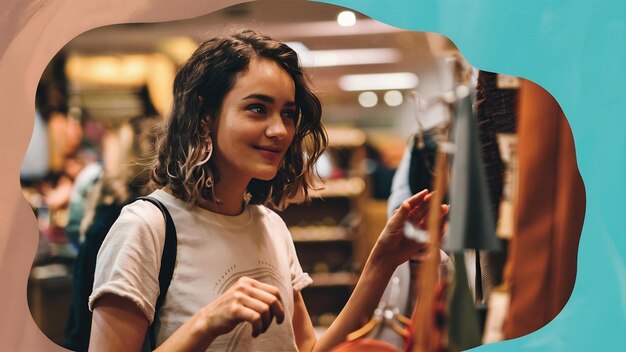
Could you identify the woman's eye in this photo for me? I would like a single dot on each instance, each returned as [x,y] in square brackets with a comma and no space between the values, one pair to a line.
[289,114]
[256,108]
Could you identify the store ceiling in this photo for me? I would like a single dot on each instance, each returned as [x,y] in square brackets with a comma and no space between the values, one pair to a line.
[313,24]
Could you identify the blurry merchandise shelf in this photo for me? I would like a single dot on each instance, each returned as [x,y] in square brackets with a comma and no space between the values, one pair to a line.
[49,296]
[345,137]
[326,230]
[319,233]
[334,279]
[342,187]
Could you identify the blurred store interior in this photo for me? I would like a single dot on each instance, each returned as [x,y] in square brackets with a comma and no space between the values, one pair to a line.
[371,78]
[366,73]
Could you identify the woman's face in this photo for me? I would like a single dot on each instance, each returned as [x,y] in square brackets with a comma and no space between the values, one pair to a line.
[256,123]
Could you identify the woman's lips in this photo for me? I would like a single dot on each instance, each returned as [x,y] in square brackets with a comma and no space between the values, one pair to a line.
[269,153]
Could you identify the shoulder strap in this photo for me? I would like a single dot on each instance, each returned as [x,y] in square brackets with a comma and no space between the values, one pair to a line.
[168,259]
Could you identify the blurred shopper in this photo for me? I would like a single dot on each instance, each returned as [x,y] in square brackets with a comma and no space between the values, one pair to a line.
[118,142]
[116,187]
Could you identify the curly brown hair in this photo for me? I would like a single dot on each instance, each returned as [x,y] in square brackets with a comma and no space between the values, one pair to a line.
[183,161]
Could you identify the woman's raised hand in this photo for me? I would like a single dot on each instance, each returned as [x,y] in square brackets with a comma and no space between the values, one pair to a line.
[248,300]
[392,247]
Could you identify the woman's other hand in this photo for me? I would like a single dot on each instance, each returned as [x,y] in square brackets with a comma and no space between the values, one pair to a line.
[248,300]
[392,247]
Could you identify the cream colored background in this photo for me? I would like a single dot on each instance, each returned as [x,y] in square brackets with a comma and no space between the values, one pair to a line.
[31,32]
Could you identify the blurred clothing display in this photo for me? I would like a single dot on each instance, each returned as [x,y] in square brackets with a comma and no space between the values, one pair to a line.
[472,227]
[496,112]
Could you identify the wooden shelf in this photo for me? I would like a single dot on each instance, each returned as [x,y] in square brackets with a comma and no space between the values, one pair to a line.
[334,279]
[341,187]
[326,229]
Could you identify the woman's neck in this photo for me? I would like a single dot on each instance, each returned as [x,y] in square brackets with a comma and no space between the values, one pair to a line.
[229,198]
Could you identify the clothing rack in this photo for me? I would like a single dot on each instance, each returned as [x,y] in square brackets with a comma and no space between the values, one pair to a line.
[423,321]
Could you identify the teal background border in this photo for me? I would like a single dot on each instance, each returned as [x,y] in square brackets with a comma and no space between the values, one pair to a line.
[577,51]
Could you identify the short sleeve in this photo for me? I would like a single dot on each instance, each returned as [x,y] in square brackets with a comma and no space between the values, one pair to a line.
[299,279]
[130,257]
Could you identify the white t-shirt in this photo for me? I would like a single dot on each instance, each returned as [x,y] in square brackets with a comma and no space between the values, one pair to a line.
[213,251]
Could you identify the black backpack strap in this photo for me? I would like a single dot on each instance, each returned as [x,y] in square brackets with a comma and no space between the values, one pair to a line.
[168,259]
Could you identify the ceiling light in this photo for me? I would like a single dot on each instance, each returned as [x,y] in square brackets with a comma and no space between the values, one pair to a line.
[346,19]
[344,57]
[125,70]
[319,29]
[368,99]
[393,98]
[379,81]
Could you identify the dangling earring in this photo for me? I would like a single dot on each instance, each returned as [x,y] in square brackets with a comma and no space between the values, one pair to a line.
[204,131]
[209,182]
[209,147]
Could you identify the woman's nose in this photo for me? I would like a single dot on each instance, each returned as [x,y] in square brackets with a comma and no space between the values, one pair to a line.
[277,128]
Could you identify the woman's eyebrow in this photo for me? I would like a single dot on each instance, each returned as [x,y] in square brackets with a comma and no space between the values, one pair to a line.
[262,97]
[266,98]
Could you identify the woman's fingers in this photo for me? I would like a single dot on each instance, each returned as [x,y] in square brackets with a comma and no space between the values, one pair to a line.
[420,217]
[268,303]
[410,204]
[271,296]
[261,298]
[260,321]
[445,209]
[416,200]
[420,211]
[253,317]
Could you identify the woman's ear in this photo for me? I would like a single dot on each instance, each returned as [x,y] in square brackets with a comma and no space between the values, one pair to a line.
[204,126]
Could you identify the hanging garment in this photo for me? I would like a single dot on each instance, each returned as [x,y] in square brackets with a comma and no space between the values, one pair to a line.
[414,173]
[472,226]
[496,112]
[421,167]
[471,218]
[549,215]
[464,328]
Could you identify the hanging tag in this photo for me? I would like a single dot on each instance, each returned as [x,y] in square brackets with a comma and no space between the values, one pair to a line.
[496,315]
[507,82]
[504,228]
[507,144]
[447,147]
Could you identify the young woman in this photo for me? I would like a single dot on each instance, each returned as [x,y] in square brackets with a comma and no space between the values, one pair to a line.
[245,132]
